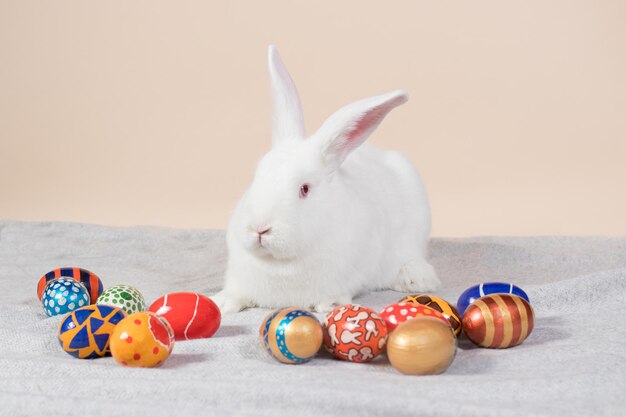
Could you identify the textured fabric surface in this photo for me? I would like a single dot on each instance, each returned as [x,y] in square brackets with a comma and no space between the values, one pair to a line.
[572,363]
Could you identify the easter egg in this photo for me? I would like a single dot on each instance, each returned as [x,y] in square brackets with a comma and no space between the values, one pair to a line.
[291,335]
[85,333]
[125,297]
[474,293]
[87,278]
[354,333]
[395,314]
[191,315]
[498,321]
[142,340]
[439,304]
[62,295]
[422,346]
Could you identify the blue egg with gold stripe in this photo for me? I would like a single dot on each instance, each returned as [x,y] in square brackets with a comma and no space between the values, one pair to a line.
[291,335]
[480,290]
[85,333]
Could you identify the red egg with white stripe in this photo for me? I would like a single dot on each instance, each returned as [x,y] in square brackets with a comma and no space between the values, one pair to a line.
[191,315]
[395,314]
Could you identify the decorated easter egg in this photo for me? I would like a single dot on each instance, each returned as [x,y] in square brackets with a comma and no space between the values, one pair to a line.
[291,335]
[125,297]
[498,320]
[62,295]
[87,278]
[439,304]
[142,340]
[422,346]
[395,314]
[191,315]
[85,333]
[354,333]
[474,293]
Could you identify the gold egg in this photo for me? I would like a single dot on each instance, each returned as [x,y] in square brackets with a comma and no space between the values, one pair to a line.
[422,346]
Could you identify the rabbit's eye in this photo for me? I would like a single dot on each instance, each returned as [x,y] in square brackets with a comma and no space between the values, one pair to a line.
[304,190]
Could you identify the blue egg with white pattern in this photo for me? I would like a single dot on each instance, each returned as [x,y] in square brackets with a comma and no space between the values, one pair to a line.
[291,335]
[63,295]
[474,293]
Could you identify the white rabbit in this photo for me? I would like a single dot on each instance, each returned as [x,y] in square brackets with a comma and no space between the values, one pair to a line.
[326,217]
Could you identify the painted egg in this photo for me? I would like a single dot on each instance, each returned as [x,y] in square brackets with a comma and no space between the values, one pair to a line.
[422,346]
[395,314]
[439,304]
[191,315]
[63,295]
[498,321]
[125,297]
[291,335]
[142,340]
[85,333]
[87,278]
[354,333]
[474,293]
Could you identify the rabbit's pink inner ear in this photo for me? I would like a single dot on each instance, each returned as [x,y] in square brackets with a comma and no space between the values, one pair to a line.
[351,125]
[368,122]
[363,127]
[354,134]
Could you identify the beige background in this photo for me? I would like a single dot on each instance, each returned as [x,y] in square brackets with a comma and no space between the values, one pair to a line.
[149,112]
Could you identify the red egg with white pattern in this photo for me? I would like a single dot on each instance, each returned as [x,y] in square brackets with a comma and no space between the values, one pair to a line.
[354,333]
[191,315]
[398,313]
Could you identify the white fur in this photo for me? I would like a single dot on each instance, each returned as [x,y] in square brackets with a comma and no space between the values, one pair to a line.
[364,225]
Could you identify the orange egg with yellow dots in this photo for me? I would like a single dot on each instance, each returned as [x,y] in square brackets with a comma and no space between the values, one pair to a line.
[142,340]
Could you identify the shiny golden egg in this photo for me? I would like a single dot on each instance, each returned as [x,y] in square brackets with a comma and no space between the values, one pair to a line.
[422,346]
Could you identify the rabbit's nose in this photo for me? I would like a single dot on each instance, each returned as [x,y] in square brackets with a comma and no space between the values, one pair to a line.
[263,231]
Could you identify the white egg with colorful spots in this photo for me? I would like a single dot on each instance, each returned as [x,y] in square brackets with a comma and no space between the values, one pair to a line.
[124,297]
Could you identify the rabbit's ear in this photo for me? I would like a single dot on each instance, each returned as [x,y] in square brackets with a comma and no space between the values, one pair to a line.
[287,120]
[351,125]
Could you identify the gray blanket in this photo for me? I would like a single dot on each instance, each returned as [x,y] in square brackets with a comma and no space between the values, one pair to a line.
[572,364]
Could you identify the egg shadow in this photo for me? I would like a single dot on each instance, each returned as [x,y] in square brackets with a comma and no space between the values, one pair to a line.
[547,330]
[181,359]
[324,358]
[230,331]
[462,365]
[463,343]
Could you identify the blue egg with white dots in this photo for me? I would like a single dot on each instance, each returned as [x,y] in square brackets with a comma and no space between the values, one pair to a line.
[291,335]
[480,290]
[63,295]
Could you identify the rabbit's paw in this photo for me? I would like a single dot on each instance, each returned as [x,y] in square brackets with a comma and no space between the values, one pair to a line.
[416,276]
[326,306]
[228,303]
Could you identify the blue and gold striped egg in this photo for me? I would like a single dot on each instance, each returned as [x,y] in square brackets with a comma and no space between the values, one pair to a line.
[291,335]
